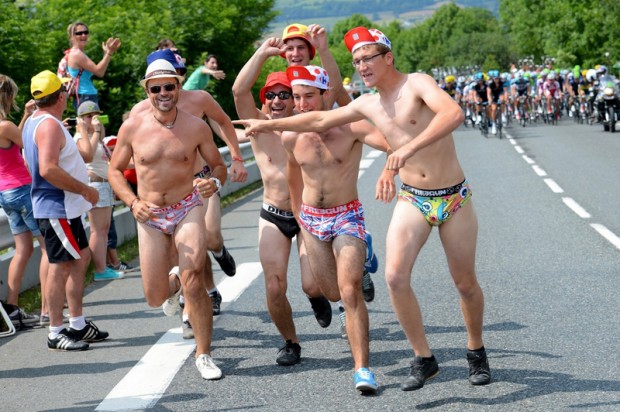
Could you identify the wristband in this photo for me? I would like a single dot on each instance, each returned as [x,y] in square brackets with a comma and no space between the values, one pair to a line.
[237,158]
[133,203]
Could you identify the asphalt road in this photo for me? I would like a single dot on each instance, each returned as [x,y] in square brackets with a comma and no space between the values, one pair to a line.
[550,273]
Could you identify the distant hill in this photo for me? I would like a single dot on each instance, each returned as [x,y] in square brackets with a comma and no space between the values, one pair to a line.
[328,12]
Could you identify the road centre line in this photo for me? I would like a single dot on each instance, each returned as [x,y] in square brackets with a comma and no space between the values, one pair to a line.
[528,159]
[553,186]
[148,380]
[519,149]
[607,234]
[539,170]
[575,207]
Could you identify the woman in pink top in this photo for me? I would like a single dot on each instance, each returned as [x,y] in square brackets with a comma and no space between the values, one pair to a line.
[15,201]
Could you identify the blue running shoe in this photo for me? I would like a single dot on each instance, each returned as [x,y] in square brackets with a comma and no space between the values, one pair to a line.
[108,274]
[365,381]
[371,264]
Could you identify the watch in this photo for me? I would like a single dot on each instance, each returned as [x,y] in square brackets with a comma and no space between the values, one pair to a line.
[217,182]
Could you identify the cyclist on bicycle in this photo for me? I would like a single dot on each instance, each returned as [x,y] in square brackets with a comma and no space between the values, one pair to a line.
[480,96]
[495,95]
[449,86]
[552,91]
[520,92]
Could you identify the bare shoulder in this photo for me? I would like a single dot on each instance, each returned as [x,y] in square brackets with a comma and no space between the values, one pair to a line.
[364,103]
[288,139]
[421,81]
[139,107]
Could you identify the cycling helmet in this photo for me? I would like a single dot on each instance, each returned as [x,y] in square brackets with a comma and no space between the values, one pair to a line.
[591,75]
[526,76]
[564,72]
[461,79]
[493,73]
[601,70]
[518,75]
[449,79]
[479,76]
[505,76]
[551,75]
[545,72]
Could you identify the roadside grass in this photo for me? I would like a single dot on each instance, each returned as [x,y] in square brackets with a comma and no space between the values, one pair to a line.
[30,300]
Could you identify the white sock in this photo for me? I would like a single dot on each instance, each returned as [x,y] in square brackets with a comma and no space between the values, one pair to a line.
[55,331]
[212,291]
[77,323]
[218,254]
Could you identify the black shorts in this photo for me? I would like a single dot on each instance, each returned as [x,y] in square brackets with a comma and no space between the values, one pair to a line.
[284,221]
[64,238]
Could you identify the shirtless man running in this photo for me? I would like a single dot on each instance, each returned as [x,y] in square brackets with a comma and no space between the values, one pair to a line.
[327,208]
[277,225]
[164,143]
[417,118]
[202,105]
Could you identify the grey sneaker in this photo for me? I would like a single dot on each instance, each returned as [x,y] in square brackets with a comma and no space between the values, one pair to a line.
[290,354]
[368,287]
[207,368]
[20,317]
[343,323]
[65,342]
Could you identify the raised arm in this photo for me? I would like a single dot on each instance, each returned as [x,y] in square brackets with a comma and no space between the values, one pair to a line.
[78,58]
[318,38]
[242,88]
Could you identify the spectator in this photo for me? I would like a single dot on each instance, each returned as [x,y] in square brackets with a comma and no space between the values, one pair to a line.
[60,196]
[15,184]
[89,139]
[199,79]
[112,259]
[81,66]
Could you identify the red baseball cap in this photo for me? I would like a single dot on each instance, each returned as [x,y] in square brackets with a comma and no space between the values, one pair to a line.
[273,79]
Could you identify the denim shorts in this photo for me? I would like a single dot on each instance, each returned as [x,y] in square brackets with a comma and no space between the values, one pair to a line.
[106,196]
[17,205]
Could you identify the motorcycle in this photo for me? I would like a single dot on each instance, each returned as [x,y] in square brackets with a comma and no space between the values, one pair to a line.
[609,102]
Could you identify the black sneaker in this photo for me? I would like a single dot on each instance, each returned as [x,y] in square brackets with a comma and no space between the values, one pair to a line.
[368,287]
[322,310]
[65,342]
[226,262]
[290,354]
[20,317]
[216,301]
[422,370]
[90,333]
[479,371]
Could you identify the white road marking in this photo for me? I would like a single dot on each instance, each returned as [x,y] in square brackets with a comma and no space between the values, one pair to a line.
[146,382]
[575,207]
[374,154]
[528,159]
[539,170]
[553,186]
[607,234]
[365,163]
[519,149]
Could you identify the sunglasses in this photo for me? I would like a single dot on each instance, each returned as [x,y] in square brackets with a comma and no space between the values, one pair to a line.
[281,95]
[169,87]
[79,33]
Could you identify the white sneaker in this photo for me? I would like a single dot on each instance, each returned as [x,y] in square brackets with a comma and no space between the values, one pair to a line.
[172,305]
[493,129]
[478,119]
[207,368]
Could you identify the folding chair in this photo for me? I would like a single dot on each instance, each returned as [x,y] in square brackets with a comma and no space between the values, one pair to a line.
[7,320]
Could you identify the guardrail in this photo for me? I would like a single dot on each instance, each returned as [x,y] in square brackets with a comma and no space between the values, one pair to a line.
[125,224]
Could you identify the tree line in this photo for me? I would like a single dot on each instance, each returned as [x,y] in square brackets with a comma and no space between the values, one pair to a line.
[33,37]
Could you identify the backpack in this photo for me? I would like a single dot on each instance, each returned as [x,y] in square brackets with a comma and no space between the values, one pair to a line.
[63,71]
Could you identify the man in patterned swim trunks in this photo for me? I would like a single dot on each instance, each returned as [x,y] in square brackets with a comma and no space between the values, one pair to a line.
[164,143]
[417,118]
[328,209]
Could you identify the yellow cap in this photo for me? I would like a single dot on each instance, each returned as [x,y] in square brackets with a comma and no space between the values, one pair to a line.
[46,83]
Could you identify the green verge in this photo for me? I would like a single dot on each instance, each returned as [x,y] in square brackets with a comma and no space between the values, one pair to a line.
[30,300]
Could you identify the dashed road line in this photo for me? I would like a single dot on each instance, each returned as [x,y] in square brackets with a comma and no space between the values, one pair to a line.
[610,236]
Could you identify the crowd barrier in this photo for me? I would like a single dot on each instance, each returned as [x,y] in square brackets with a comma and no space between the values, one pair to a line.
[124,220]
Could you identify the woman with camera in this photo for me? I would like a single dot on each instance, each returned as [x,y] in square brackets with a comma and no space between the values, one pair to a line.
[89,139]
